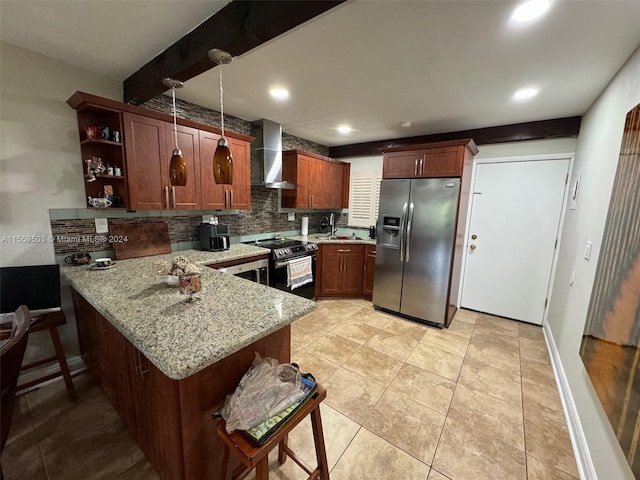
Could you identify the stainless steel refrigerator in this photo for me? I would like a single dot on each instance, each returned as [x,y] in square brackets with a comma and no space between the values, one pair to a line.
[415,246]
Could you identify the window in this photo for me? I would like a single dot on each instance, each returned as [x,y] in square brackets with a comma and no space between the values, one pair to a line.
[364,198]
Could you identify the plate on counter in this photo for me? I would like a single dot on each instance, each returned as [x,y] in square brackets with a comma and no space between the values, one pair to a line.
[93,266]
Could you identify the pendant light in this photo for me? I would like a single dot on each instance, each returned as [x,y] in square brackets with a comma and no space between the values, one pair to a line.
[177,165]
[222,158]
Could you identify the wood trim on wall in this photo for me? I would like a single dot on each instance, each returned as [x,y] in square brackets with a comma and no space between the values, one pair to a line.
[538,130]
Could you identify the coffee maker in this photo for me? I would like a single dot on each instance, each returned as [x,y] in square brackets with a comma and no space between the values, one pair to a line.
[214,237]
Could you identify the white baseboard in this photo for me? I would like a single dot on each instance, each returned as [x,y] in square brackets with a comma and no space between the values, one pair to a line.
[580,448]
[75,363]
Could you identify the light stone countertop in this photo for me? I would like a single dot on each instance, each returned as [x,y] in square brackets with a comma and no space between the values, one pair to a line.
[312,238]
[179,338]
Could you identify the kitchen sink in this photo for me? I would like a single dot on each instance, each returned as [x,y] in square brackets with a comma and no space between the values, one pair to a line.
[337,237]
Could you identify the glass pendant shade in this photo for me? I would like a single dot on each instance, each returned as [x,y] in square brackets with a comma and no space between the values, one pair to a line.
[177,169]
[223,163]
[222,158]
[177,165]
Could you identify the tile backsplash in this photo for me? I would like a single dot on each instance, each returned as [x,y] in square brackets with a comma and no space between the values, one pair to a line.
[79,234]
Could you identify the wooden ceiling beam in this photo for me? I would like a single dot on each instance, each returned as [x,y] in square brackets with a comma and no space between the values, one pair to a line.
[237,28]
[538,130]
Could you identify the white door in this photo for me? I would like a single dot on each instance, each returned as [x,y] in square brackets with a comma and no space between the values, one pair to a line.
[515,215]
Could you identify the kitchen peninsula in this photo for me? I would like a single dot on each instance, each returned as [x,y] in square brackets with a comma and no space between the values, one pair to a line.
[167,365]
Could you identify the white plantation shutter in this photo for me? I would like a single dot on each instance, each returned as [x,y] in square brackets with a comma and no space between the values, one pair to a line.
[364,197]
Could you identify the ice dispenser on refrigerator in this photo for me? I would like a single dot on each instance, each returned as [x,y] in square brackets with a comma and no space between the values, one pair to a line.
[390,234]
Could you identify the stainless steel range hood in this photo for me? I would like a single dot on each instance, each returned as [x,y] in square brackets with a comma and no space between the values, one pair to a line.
[266,155]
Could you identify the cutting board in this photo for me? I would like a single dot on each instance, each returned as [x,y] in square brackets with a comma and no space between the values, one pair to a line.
[140,239]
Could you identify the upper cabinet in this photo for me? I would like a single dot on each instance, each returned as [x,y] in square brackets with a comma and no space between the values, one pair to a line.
[142,153]
[321,182]
[442,159]
[225,197]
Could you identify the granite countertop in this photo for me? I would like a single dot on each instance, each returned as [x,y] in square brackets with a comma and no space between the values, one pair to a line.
[179,338]
[313,238]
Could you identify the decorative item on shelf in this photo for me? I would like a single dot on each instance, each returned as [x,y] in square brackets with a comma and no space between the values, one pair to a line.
[222,158]
[91,133]
[177,165]
[105,133]
[110,170]
[94,167]
[117,171]
[99,202]
[115,136]
[108,193]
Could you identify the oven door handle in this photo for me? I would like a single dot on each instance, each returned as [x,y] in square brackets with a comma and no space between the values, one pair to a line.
[284,263]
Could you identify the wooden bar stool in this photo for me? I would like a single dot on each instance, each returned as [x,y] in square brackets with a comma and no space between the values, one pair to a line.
[51,321]
[256,457]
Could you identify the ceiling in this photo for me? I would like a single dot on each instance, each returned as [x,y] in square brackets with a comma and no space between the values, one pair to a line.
[444,66]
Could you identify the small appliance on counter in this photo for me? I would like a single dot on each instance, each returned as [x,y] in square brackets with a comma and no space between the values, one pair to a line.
[214,237]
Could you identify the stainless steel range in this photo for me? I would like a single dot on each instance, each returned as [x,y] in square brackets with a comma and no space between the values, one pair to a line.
[284,251]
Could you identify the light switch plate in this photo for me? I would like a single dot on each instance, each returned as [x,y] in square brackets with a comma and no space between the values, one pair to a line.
[587,250]
[291,216]
[102,225]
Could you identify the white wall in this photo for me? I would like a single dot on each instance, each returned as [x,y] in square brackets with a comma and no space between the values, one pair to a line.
[40,164]
[597,157]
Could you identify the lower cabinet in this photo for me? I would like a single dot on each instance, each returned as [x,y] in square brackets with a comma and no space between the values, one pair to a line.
[169,419]
[145,398]
[369,270]
[340,270]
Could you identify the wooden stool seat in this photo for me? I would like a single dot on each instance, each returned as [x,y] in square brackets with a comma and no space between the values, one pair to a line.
[51,322]
[257,457]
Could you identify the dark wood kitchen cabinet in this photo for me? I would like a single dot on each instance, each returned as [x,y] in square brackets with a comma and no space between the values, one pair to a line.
[169,419]
[369,270]
[225,197]
[442,159]
[144,151]
[340,270]
[321,182]
[149,143]
[111,152]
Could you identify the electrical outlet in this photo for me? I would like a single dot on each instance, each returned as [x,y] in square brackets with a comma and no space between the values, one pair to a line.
[102,225]
[291,216]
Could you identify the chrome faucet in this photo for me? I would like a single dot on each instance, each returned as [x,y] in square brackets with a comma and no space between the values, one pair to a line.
[332,223]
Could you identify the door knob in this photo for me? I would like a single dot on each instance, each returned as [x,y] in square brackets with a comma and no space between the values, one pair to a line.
[474,236]
[472,247]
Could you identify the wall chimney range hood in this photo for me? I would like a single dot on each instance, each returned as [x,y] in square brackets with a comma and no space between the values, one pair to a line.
[266,155]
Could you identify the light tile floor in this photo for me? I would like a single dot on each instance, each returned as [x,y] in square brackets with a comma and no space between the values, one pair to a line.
[405,401]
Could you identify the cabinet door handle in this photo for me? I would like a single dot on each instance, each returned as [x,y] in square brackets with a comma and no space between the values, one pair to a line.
[166,196]
[344,251]
[173,192]
[421,165]
[309,201]
[415,169]
[226,201]
[230,198]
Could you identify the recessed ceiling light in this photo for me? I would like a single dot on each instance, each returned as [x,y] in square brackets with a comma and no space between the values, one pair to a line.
[530,10]
[344,129]
[525,94]
[405,124]
[279,93]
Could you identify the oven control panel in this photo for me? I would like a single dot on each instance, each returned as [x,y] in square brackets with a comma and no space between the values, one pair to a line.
[293,251]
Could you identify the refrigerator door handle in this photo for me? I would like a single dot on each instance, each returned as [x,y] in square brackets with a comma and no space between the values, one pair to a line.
[408,240]
[402,230]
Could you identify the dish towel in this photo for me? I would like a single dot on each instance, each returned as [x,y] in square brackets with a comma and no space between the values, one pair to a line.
[299,272]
